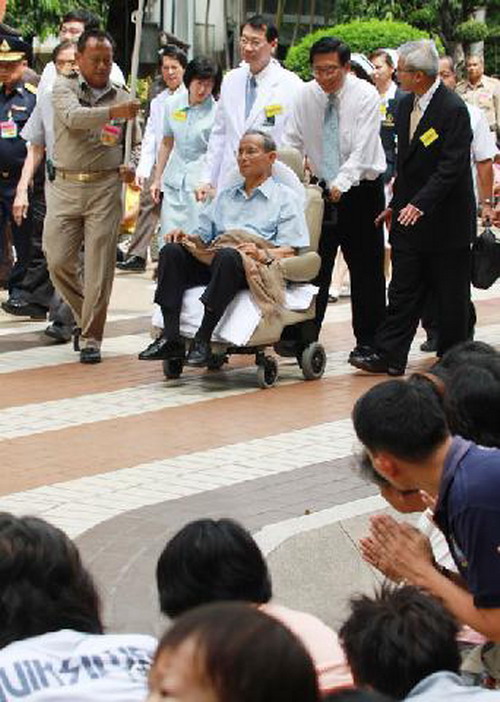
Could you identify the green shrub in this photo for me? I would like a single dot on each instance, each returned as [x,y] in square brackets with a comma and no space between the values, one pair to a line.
[471,31]
[363,36]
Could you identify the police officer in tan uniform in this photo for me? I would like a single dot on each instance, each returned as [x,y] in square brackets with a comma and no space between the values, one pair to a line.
[84,199]
[482,91]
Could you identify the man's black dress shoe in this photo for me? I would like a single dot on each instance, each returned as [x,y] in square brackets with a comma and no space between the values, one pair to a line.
[199,353]
[19,308]
[360,351]
[134,264]
[59,333]
[90,355]
[375,363]
[430,345]
[162,349]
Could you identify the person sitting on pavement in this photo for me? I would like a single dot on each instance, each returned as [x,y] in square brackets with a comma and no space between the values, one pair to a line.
[403,428]
[402,643]
[52,640]
[239,241]
[216,560]
[230,651]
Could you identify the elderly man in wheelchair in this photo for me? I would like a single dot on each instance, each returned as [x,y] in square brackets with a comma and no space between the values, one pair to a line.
[242,240]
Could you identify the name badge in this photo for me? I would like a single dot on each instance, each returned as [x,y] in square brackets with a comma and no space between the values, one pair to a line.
[110,135]
[429,136]
[179,115]
[273,110]
[8,129]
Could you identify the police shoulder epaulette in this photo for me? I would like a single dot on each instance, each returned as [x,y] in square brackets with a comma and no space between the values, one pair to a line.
[31,88]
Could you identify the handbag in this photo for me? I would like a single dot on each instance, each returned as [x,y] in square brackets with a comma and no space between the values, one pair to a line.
[485,259]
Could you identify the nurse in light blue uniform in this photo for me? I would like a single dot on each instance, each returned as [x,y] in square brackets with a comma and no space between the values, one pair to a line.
[181,158]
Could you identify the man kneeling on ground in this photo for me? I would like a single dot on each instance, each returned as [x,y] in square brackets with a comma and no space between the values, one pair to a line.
[239,241]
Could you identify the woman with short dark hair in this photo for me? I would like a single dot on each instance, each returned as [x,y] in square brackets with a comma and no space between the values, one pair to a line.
[232,652]
[212,560]
[188,123]
[52,645]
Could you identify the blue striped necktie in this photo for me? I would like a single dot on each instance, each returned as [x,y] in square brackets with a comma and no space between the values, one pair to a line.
[331,141]
[250,94]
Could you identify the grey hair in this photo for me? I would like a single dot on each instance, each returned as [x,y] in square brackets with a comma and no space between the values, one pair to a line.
[449,61]
[420,55]
[267,141]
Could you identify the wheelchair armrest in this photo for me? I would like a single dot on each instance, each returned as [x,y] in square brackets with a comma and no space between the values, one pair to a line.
[301,269]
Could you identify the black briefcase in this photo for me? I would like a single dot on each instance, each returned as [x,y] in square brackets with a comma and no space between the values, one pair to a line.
[485,260]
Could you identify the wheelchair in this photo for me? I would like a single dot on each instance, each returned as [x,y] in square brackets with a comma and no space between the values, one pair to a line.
[296,325]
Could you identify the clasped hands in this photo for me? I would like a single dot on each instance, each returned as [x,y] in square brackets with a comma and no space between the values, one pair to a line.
[398,550]
[178,236]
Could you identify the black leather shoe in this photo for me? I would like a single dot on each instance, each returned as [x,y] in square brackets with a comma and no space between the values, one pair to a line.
[360,351]
[90,355]
[162,349]
[430,345]
[59,333]
[375,363]
[134,264]
[199,353]
[24,309]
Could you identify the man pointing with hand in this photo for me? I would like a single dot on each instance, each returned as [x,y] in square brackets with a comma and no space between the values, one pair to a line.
[84,199]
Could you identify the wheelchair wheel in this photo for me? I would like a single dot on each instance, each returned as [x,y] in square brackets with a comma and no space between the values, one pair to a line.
[172,368]
[216,361]
[313,361]
[267,372]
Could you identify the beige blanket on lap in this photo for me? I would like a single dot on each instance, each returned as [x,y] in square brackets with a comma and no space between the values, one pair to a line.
[266,283]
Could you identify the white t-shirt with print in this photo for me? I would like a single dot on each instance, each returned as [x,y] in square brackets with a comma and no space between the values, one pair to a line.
[76,667]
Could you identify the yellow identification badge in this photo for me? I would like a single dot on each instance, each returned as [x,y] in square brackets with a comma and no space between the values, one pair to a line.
[273,110]
[383,110]
[179,115]
[429,136]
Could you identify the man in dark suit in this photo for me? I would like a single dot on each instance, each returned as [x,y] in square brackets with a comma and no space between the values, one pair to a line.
[431,216]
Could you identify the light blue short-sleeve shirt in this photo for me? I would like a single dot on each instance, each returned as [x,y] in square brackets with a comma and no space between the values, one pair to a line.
[270,211]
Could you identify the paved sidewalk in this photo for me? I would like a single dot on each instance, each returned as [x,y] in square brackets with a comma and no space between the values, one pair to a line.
[121,458]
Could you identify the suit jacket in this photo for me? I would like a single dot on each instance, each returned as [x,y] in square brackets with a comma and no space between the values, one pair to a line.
[388,134]
[434,174]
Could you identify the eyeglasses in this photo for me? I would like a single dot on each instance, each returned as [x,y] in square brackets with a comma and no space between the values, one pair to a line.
[325,70]
[253,43]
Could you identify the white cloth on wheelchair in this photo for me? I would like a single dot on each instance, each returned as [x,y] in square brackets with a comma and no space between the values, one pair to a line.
[242,316]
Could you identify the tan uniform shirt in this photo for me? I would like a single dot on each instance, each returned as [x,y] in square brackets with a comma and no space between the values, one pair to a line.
[486,95]
[86,139]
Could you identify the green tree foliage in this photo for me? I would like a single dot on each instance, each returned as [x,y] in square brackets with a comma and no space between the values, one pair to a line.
[41,17]
[362,36]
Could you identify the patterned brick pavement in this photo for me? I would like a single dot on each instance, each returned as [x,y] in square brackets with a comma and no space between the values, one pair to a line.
[121,458]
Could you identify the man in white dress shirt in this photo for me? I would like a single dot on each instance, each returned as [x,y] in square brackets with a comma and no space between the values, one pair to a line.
[336,123]
[256,95]
[173,62]
[72,26]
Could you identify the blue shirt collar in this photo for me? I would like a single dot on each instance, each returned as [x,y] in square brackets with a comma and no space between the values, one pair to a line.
[457,451]
[266,188]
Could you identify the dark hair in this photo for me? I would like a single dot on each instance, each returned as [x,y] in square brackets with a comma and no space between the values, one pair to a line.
[267,141]
[259,22]
[398,637]
[245,654]
[353,695]
[465,352]
[472,401]
[66,44]
[211,560]
[98,34]
[330,45]
[174,52]
[89,20]
[405,419]
[43,584]
[203,68]
[382,53]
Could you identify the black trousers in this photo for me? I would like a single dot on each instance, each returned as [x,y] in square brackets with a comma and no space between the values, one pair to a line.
[350,225]
[429,321]
[21,234]
[416,274]
[178,270]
